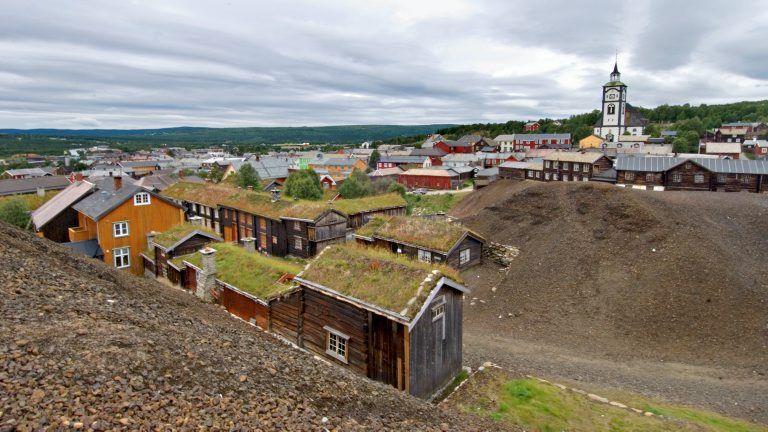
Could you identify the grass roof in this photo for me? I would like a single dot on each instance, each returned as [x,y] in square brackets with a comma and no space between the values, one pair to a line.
[204,193]
[251,272]
[357,205]
[376,276]
[428,233]
[169,237]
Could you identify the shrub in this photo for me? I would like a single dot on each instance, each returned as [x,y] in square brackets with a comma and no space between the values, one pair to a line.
[357,185]
[303,184]
[15,212]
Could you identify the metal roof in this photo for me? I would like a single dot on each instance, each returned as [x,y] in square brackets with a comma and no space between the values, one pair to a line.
[62,201]
[724,166]
[646,164]
[533,137]
[734,166]
[89,248]
[102,202]
[30,185]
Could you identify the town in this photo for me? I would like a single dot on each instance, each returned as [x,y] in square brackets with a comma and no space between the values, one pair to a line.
[312,235]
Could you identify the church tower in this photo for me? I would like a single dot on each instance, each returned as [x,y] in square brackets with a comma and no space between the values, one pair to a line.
[614,119]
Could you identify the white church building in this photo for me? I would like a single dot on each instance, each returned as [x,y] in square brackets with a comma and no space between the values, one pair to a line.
[618,116]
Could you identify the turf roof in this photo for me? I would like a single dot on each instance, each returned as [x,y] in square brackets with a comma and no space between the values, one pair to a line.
[375,276]
[357,205]
[428,233]
[251,272]
[169,237]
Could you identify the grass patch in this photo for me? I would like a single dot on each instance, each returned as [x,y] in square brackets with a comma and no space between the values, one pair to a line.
[374,276]
[251,272]
[375,202]
[542,407]
[435,234]
[31,201]
[433,204]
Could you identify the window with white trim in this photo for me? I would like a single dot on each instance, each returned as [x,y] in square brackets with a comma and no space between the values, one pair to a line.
[438,314]
[297,226]
[698,178]
[120,229]
[338,344]
[464,256]
[122,257]
[566,165]
[297,243]
[546,176]
[585,168]
[141,198]
[629,175]
[576,166]
[425,256]
[649,177]
[677,177]
[746,179]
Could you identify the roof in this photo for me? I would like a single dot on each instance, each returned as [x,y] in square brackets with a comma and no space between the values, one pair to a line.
[393,284]
[461,157]
[134,164]
[403,159]
[515,165]
[386,172]
[172,238]
[734,166]
[250,272]
[30,185]
[573,157]
[89,248]
[100,203]
[34,172]
[60,202]
[431,172]
[723,147]
[157,181]
[371,203]
[533,137]
[268,167]
[437,235]
[716,165]
[737,124]
[488,172]
[429,151]
[646,164]
[336,161]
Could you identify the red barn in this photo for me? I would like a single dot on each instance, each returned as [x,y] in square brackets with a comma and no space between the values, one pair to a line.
[531,126]
[429,179]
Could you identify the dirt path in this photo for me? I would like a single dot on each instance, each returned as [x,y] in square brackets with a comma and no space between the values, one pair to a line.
[734,392]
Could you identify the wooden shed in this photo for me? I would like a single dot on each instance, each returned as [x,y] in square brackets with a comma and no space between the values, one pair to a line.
[360,210]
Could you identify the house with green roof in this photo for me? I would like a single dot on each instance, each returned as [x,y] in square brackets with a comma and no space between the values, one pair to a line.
[427,240]
[180,240]
[383,315]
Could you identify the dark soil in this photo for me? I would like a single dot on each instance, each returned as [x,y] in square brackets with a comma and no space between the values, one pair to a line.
[87,347]
[619,280]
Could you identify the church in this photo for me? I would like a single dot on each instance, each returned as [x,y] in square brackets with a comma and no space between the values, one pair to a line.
[618,117]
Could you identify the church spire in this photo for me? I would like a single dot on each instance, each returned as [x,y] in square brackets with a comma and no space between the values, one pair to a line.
[615,75]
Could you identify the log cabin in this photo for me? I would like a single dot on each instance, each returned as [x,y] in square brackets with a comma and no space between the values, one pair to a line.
[571,166]
[695,174]
[199,199]
[390,318]
[119,221]
[427,240]
[360,210]
[183,239]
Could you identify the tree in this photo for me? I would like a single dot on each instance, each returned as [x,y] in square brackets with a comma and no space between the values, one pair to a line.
[374,159]
[680,145]
[215,175]
[653,131]
[303,184]
[396,187]
[247,176]
[15,212]
[357,185]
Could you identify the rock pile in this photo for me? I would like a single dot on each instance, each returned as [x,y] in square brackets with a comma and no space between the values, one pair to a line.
[86,347]
[500,253]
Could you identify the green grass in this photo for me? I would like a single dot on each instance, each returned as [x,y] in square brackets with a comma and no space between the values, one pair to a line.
[32,201]
[538,406]
[433,204]
[436,234]
[168,237]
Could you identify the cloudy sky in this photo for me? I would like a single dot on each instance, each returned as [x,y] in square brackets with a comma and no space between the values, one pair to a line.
[159,63]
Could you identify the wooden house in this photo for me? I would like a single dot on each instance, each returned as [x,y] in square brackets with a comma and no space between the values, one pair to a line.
[573,166]
[426,240]
[199,199]
[360,210]
[390,318]
[56,216]
[180,240]
[119,221]
[430,178]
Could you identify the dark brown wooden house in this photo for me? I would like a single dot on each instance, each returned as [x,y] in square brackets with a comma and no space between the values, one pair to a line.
[180,240]
[359,211]
[55,217]
[389,318]
[428,240]
[574,166]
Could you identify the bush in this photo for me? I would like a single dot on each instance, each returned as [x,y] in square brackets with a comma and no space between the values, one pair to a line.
[303,184]
[396,187]
[247,176]
[15,212]
[357,185]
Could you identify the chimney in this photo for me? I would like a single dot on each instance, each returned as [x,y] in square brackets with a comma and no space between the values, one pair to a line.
[40,192]
[208,260]
[118,179]
[249,244]
[206,279]
[150,238]
[196,220]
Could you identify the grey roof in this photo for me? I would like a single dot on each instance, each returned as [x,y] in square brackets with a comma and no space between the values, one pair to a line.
[268,167]
[671,133]
[34,172]
[62,201]
[659,164]
[469,139]
[403,159]
[488,172]
[430,151]
[89,248]
[533,137]
[102,202]
[134,164]
[157,181]
[646,164]
[30,185]
[335,161]
[734,166]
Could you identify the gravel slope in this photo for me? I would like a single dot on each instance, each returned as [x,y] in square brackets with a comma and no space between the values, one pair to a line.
[661,293]
[88,347]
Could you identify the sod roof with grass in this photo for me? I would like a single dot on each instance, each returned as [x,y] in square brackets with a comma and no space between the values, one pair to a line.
[251,272]
[170,237]
[371,203]
[427,233]
[207,194]
[375,276]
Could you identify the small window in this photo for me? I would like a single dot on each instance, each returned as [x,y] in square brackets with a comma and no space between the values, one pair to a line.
[538,174]
[547,164]
[677,177]
[566,165]
[530,174]
[122,257]
[585,168]
[576,167]
[120,229]
[649,177]
[721,178]
[555,177]
[141,198]
[546,176]
[262,223]
[629,175]
[698,178]
[425,256]
[438,314]
[337,344]
[297,226]
[464,256]
[746,179]
[274,239]
[297,243]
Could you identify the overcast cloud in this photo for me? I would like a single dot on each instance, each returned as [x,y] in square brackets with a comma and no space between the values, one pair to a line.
[161,63]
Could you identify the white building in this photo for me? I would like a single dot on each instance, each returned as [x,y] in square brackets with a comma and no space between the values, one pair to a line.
[618,116]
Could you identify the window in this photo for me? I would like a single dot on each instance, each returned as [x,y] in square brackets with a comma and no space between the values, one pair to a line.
[438,314]
[628,175]
[297,244]
[649,177]
[585,168]
[141,198]
[530,173]
[425,256]
[566,177]
[698,178]
[687,165]
[554,177]
[745,179]
[274,239]
[464,256]
[547,164]
[297,226]
[677,177]
[611,109]
[337,344]
[122,257]
[546,176]
[262,240]
[576,167]
[721,178]
[120,229]
[566,165]
[538,174]
[262,223]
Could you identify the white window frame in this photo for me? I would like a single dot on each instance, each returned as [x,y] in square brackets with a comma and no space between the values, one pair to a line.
[438,312]
[698,178]
[120,229]
[298,243]
[124,254]
[462,258]
[336,344]
[297,226]
[677,177]
[585,168]
[142,198]
[425,256]
[546,176]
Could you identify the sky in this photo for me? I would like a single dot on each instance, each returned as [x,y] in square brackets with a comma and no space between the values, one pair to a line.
[163,63]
